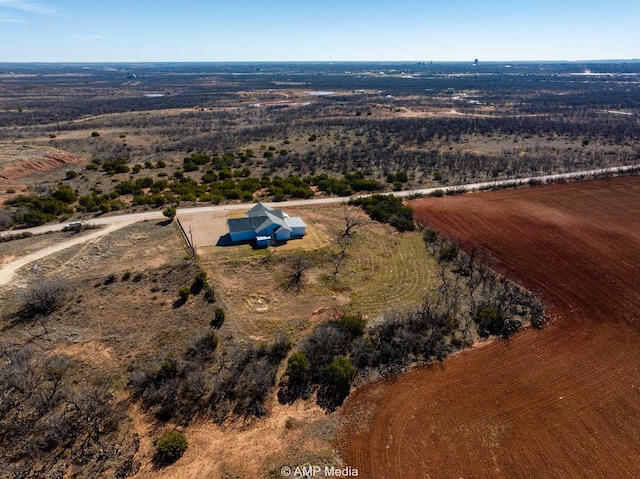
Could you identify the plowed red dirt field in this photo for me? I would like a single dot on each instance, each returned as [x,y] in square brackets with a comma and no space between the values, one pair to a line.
[558,403]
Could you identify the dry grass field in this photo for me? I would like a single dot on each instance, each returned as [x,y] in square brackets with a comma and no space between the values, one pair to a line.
[384,270]
[113,321]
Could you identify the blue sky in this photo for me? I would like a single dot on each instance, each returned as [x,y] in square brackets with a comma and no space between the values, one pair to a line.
[301,30]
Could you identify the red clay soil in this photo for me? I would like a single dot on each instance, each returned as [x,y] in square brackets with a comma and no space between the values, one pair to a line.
[559,403]
[17,164]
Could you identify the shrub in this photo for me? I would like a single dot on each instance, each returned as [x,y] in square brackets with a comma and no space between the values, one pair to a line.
[489,321]
[339,372]
[169,212]
[387,209]
[447,253]
[65,194]
[352,325]
[430,236]
[184,293]
[6,219]
[95,134]
[200,281]
[203,347]
[170,447]
[17,236]
[119,165]
[44,297]
[298,369]
[218,318]
[209,294]
[402,176]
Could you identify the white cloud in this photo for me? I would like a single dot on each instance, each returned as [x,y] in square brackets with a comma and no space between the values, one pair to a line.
[30,7]
[11,19]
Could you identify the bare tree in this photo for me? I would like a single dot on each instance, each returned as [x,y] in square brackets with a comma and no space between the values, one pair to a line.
[298,266]
[44,297]
[350,222]
[92,408]
[338,257]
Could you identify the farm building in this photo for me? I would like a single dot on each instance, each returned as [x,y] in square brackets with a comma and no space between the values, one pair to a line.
[265,226]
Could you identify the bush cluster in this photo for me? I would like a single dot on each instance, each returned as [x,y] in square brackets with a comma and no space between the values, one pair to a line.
[47,407]
[170,447]
[36,210]
[387,209]
[470,298]
[205,381]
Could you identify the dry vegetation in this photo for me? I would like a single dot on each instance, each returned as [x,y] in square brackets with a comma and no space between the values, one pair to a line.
[434,125]
[160,361]
[121,313]
[140,337]
[384,270]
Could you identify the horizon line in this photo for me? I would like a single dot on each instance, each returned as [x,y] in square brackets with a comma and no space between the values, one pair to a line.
[98,62]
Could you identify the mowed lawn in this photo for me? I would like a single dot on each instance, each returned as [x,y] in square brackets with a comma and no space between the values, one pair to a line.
[384,270]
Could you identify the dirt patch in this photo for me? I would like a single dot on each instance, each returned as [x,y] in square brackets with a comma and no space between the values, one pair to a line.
[206,228]
[562,402]
[259,448]
[18,163]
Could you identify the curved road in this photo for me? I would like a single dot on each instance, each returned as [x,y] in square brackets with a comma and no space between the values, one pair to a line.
[116,222]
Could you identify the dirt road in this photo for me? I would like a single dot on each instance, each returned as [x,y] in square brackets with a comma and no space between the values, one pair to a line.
[9,269]
[148,215]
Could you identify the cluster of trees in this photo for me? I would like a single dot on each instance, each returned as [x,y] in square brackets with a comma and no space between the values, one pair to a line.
[485,301]
[100,202]
[47,408]
[321,363]
[34,210]
[207,382]
[387,209]
[470,300]
[214,186]
[523,86]
[119,165]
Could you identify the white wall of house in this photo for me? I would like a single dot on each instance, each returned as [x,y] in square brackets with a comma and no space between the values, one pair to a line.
[297,226]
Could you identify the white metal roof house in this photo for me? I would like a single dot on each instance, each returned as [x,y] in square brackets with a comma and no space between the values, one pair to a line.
[265,225]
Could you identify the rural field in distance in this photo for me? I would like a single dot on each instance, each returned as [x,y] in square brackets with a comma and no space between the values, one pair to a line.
[382,341]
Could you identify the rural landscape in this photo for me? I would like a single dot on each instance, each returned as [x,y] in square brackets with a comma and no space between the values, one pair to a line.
[441,282]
